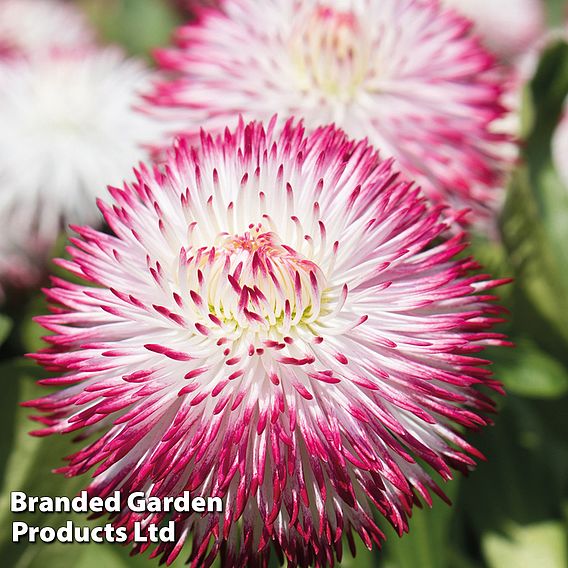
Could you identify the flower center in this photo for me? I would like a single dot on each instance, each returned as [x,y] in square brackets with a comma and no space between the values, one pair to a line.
[330,52]
[253,284]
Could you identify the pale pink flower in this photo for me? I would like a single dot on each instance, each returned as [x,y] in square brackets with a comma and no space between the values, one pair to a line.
[27,26]
[404,73]
[273,320]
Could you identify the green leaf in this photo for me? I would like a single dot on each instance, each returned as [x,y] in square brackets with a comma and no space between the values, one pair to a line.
[118,556]
[17,381]
[539,271]
[62,555]
[28,462]
[111,556]
[527,370]
[538,544]
[534,220]
[523,479]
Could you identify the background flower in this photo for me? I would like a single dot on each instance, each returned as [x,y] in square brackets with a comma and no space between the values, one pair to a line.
[68,129]
[271,323]
[509,27]
[31,25]
[407,75]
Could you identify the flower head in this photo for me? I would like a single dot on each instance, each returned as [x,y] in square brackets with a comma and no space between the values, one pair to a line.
[273,322]
[68,127]
[404,73]
[27,26]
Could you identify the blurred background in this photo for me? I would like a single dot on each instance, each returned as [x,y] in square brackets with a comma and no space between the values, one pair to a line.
[512,512]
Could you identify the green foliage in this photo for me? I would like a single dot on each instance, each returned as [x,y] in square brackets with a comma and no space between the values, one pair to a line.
[138,25]
[27,462]
[538,544]
[427,543]
[556,12]
[535,220]
[527,370]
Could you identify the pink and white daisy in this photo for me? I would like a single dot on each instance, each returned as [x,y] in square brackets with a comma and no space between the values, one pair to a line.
[508,27]
[404,73]
[30,25]
[68,127]
[273,321]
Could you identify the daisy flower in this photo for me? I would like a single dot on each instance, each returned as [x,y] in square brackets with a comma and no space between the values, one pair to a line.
[403,73]
[68,128]
[274,321]
[31,25]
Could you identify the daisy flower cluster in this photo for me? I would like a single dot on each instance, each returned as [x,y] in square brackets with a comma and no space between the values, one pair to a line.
[281,311]
[68,127]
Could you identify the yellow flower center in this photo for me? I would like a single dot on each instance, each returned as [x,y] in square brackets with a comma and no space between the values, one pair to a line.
[256,284]
[330,52]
